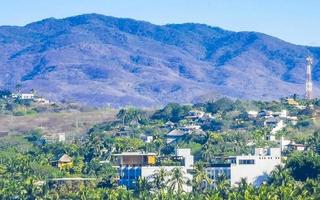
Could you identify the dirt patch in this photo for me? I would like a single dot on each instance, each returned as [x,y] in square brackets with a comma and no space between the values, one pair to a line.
[65,122]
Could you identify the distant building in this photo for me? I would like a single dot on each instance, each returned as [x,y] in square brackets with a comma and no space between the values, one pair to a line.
[265,114]
[135,165]
[61,137]
[147,138]
[296,147]
[271,122]
[292,102]
[282,114]
[255,168]
[207,117]
[51,138]
[27,96]
[41,100]
[195,114]
[191,127]
[279,126]
[252,114]
[284,143]
[169,124]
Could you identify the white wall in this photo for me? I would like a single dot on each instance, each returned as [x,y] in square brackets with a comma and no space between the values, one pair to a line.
[254,173]
[188,158]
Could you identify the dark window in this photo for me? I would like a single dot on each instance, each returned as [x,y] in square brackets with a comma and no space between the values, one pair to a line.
[246,162]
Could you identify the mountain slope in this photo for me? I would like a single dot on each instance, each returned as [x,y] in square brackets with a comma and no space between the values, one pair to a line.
[99,60]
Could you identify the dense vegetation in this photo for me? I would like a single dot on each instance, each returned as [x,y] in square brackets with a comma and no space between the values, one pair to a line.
[27,170]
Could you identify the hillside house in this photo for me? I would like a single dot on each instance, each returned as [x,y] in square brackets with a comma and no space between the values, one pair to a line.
[58,137]
[191,127]
[292,102]
[265,114]
[169,124]
[207,117]
[42,101]
[147,138]
[296,147]
[252,114]
[195,114]
[26,96]
[255,168]
[271,122]
[282,114]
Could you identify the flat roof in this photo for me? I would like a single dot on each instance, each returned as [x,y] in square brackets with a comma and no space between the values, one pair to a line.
[72,179]
[134,154]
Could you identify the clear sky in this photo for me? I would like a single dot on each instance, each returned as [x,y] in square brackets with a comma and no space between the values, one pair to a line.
[296,21]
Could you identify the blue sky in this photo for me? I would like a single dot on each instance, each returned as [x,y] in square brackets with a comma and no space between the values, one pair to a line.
[296,21]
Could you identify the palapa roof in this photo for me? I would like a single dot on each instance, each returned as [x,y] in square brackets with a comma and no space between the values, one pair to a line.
[169,123]
[176,132]
[65,159]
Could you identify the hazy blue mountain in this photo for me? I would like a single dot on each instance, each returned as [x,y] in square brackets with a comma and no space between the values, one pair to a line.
[99,60]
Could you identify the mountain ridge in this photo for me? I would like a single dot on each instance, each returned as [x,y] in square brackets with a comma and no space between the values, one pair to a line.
[101,60]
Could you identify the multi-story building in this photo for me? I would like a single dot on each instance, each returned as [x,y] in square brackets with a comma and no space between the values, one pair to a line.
[135,165]
[254,168]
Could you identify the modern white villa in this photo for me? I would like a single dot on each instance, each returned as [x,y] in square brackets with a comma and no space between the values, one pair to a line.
[255,168]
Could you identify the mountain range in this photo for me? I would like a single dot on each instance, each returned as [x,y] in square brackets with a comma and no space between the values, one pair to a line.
[99,60]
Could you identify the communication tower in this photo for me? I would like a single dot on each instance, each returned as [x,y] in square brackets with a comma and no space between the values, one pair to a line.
[309,78]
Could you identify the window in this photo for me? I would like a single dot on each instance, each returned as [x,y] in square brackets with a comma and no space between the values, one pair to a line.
[246,162]
[233,161]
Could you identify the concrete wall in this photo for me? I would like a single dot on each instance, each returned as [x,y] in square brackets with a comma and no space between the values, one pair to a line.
[254,173]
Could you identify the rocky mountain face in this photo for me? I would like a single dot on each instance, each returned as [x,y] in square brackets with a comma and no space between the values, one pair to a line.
[98,60]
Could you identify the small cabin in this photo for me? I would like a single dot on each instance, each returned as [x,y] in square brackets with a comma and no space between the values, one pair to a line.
[65,162]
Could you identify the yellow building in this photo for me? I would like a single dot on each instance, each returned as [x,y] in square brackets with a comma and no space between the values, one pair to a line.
[292,102]
[65,162]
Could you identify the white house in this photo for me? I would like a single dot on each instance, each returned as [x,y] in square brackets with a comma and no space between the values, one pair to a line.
[134,165]
[255,168]
[41,100]
[147,138]
[296,147]
[252,114]
[279,126]
[195,114]
[27,96]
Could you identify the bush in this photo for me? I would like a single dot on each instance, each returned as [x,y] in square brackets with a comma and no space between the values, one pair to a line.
[173,112]
[304,165]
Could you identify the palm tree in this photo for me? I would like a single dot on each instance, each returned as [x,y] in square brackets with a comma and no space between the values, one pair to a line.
[159,178]
[208,153]
[143,188]
[280,176]
[177,180]
[143,184]
[200,179]
[222,186]
[122,114]
[159,143]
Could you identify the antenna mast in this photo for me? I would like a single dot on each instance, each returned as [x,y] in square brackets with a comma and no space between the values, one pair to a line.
[309,78]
